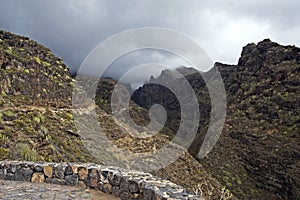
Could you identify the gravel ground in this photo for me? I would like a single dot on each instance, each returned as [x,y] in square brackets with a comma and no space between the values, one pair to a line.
[24,190]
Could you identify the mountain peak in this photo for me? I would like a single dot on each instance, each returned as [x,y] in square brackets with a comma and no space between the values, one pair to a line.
[267,53]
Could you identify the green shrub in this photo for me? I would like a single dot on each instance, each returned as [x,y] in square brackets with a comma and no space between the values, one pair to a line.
[28,154]
[44,130]
[7,130]
[3,93]
[3,138]
[8,113]
[37,120]
[3,153]
[69,116]
[38,60]
[48,138]
[8,50]
[46,64]
[26,71]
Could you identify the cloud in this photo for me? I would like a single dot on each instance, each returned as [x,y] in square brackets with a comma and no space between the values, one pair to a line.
[72,28]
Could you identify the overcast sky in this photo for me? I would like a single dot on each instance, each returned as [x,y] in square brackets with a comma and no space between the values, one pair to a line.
[72,28]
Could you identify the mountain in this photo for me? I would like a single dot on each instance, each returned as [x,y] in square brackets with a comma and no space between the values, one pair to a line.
[36,121]
[37,118]
[258,153]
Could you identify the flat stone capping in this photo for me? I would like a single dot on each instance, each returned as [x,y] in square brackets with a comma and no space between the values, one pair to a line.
[126,184]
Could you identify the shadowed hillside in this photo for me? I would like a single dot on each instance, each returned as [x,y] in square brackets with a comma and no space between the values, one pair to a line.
[257,155]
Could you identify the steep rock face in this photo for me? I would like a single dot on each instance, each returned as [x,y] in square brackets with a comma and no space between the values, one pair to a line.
[257,155]
[155,93]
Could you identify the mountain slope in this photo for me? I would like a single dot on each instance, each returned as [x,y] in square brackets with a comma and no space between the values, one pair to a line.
[258,153]
[37,121]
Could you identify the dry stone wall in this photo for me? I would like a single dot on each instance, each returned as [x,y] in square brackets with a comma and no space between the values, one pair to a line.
[125,184]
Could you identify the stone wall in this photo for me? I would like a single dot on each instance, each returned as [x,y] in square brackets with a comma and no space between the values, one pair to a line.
[112,180]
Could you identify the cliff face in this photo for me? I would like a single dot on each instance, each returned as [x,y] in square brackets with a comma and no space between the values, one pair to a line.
[257,155]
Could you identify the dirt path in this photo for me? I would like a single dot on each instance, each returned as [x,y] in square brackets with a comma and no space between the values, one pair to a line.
[25,190]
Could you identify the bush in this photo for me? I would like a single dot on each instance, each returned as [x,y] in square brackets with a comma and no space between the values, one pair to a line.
[28,154]
[8,113]
[38,60]
[69,116]
[3,94]
[3,153]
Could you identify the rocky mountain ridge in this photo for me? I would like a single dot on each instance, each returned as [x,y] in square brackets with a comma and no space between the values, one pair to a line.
[257,155]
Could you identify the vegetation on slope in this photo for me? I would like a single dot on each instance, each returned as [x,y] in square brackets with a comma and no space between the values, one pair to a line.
[37,122]
[257,155]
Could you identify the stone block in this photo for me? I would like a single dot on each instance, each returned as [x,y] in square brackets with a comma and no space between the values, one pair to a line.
[82,173]
[59,171]
[68,170]
[93,178]
[56,181]
[48,171]
[72,180]
[38,177]
[74,169]
[3,173]
[23,174]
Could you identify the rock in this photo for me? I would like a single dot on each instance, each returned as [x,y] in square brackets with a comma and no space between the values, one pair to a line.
[10,177]
[3,173]
[48,171]
[59,171]
[72,180]
[83,173]
[148,193]
[74,169]
[115,190]
[107,188]
[124,186]
[38,168]
[114,178]
[126,195]
[23,174]
[56,181]
[38,177]
[93,178]
[133,186]
[81,184]
[104,175]
[68,170]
